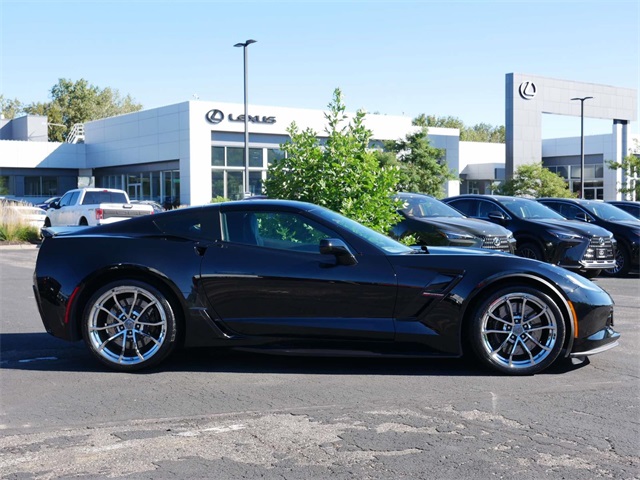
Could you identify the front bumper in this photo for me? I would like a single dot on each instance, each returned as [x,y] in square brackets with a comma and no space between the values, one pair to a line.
[599,342]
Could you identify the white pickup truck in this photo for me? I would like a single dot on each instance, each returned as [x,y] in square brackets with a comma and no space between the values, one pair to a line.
[93,206]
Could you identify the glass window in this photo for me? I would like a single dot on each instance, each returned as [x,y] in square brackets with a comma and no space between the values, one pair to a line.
[282,230]
[255,157]
[563,171]
[217,156]
[273,155]
[234,185]
[235,157]
[217,183]
[66,199]
[4,185]
[255,183]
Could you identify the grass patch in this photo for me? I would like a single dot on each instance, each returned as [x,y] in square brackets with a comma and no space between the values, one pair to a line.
[13,229]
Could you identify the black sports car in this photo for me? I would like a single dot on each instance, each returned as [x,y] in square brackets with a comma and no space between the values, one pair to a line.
[432,222]
[292,277]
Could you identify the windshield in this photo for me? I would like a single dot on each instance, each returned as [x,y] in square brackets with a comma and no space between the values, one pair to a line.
[381,241]
[421,206]
[525,208]
[609,212]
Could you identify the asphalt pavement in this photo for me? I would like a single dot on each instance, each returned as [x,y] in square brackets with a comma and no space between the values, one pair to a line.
[202,414]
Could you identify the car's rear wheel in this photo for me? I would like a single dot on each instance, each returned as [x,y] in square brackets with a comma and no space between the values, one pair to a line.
[623,263]
[518,330]
[129,325]
[530,250]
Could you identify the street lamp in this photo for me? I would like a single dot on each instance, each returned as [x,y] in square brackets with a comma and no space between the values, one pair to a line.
[582,99]
[245,183]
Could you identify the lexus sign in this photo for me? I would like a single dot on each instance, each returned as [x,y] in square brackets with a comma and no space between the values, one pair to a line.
[216,116]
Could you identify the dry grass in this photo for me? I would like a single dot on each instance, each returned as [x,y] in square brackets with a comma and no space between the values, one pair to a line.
[13,229]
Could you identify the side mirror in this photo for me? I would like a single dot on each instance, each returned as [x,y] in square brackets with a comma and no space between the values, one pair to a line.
[55,204]
[337,248]
[498,216]
[582,217]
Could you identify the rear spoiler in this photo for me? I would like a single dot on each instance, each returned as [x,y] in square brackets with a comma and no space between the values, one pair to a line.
[48,232]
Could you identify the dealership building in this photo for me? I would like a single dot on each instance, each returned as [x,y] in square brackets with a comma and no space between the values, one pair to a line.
[191,152]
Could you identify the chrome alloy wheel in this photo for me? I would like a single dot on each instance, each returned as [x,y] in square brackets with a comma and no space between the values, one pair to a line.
[127,325]
[518,331]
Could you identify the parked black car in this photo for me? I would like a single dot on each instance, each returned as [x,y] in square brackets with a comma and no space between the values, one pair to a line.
[46,205]
[291,277]
[628,206]
[543,234]
[432,222]
[625,227]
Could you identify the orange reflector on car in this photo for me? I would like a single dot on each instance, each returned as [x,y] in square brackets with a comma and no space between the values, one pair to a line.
[575,319]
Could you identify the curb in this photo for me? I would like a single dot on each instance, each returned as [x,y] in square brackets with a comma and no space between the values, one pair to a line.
[25,246]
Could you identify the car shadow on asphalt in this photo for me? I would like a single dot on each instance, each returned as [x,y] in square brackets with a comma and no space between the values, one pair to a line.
[43,352]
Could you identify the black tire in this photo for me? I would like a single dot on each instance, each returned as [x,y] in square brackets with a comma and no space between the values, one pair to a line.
[623,263]
[518,330]
[530,250]
[129,325]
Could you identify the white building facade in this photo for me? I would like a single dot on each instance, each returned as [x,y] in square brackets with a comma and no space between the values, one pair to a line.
[191,152]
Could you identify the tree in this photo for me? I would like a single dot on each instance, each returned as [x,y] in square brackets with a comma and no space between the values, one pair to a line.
[79,102]
[342,174]
[630,165]
[481,132]
[422,166]
[10,108]
[533,180]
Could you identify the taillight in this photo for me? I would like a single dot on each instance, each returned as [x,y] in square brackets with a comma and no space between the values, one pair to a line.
[99,214]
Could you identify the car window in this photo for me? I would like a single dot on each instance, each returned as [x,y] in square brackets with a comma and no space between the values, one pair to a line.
[467,207]
[66,199]
[485,208]
[421,206]
[568,211]
[609,212]
[195,223]
[282,230]
[95,198]
[524,208]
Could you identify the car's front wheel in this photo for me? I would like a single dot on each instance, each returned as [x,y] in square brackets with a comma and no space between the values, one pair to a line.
[530,250]
[623,263]
[129,325]
[518,330]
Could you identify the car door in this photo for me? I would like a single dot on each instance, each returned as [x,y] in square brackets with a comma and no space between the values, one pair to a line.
[57,214]
[267,278]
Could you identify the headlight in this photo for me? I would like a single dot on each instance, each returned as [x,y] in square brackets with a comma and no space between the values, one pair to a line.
[457,235]
[566,235]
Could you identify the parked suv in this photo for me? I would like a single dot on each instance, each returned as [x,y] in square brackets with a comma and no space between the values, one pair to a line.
[628,206]
[624,226]
[543,234]
[432,222]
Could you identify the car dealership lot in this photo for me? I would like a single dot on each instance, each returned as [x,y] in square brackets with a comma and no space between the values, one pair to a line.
[204,415]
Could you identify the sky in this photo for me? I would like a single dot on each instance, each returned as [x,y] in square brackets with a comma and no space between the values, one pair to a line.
[443,58]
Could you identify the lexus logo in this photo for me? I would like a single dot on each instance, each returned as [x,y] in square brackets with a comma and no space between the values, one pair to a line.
[528,90]
[496,242]
[215,116]
[601,241]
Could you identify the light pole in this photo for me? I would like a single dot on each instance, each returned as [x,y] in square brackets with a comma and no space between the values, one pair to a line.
[582,99]
[245,183]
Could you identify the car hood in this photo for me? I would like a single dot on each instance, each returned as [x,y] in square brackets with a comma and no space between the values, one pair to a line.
[574,226]
[474,226]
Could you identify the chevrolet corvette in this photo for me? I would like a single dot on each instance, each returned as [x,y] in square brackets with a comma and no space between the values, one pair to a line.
[291,277]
